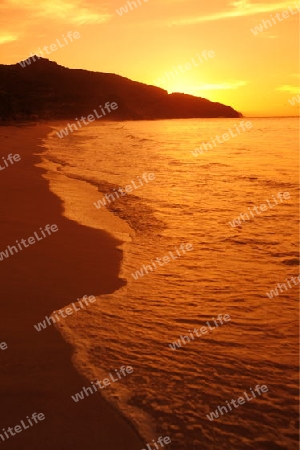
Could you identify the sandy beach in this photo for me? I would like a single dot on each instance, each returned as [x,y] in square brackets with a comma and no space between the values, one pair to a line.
[37,372]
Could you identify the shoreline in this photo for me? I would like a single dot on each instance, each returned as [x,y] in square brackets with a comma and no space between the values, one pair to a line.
[38,372]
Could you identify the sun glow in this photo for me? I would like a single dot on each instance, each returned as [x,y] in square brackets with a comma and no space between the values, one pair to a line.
[220,51]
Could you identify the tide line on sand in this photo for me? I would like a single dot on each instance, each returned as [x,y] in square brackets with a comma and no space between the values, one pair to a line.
[37,372]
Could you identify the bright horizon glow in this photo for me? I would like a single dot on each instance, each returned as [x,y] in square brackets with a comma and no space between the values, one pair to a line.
[257,74]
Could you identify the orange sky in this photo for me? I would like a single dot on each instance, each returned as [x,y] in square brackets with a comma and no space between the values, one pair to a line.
[257,74]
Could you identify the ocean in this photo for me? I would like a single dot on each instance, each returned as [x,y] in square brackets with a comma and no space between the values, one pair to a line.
[204,238]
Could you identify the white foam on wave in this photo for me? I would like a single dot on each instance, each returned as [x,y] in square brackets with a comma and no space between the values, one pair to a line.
[78,197]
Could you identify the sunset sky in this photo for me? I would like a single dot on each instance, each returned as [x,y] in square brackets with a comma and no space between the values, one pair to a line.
[256,74]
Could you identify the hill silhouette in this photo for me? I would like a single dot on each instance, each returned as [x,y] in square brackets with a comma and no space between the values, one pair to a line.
[44,90]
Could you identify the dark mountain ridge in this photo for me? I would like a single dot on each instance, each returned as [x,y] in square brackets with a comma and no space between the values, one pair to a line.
[44,90]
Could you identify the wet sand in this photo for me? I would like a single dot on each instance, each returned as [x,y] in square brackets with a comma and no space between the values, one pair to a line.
[37,374]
